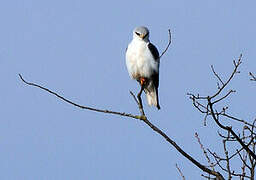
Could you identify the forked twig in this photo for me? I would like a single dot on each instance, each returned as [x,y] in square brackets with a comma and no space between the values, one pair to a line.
[139,103]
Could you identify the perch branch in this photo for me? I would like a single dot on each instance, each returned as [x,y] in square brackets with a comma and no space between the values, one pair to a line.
[80,106]
[140,117]
[139,103]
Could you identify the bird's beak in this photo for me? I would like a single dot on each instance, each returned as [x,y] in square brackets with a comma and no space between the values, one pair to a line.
[142,36]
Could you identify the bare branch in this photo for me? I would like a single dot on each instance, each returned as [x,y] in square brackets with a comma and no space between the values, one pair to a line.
[208,177]
[227,159]
[139,103]
[225,96]
[236,119]
[181,174]
[227,128]
[169,43]
[243,160]
[204,151]
[218,162]
[210,110]
[236,64]
[206,106]
[253,78]
[202,167]
[141,117]
[80,106]
[218,77]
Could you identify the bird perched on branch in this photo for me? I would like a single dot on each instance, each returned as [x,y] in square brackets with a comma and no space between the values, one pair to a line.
[142,61]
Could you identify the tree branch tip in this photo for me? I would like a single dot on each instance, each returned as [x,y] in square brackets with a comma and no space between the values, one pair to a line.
[189,94]
[169,43]
[170,34]
[234,62]
[22,78]
[131,93]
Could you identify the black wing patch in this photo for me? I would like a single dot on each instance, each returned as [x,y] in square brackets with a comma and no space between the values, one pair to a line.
[155,78]
[153,51]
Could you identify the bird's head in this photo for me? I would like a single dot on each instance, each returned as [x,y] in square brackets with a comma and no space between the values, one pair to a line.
[141,33]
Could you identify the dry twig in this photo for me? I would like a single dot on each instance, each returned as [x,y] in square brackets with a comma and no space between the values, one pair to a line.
[181,174]
[169,43]
[253,78]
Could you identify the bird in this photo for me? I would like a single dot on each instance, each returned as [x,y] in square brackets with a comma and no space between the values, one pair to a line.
[142,62]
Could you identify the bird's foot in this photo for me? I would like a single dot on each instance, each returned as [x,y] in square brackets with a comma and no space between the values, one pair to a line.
[142,81]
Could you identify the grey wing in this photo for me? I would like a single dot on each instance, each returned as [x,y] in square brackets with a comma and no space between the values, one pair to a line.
[153,51]
[155,76]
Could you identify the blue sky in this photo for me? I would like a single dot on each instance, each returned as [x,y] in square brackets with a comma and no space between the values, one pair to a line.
[77,48]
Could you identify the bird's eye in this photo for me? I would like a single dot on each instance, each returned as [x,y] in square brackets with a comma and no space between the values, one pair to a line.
[137,33]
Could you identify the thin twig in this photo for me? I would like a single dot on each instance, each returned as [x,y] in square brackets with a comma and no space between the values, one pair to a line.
[203,149]
[236,119]
[243,160]
[253,78]
[227,159]
[218,77]
[135,99]
[169,43]
[231,91]
[139,103]
[181,174]
[236,64]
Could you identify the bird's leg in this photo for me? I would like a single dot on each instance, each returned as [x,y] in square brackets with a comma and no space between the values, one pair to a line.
[142,83]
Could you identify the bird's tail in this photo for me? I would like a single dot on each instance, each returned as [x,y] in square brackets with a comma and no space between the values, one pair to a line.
[152,95]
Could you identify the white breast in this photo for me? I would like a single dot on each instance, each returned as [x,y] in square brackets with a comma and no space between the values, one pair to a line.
[139,60]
